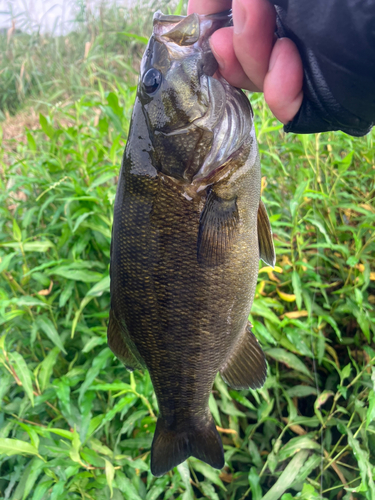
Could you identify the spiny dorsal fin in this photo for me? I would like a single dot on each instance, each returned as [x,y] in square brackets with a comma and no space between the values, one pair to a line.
[217,227]
[265,239]
[186,32]
[246,366]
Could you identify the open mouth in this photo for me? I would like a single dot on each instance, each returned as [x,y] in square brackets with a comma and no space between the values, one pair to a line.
[216,107]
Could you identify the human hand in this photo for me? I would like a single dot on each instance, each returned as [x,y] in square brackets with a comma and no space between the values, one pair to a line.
[250,56]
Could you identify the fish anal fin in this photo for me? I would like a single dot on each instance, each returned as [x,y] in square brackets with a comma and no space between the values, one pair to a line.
[118,346]
[217,228]
[265,239]
[246,367]
[196,437]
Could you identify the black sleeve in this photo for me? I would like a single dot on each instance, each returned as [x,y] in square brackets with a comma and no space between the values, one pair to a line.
[336,41]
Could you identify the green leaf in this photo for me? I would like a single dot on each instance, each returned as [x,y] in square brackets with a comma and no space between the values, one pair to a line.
[242,400]
[287,477]
[256,490]
[297,288]
[311,463]
[34,437]
[183,469]
[23,373]
[5,261]
[78,313]
[31,141]
[178,9]
[345,162]
[154,492]
[295,445]
[57,491]
[260,309]
[139,38]
[60,432]
[76,274]
[109,474]
[66,294]
[36,466]
[125,486]
[46,126]
[98,364]
[364,464]
[208,472]
[214,409]
[94,342]
[28,301]
[49,329]
[62,389]
[289,359]
[102,179]
[209,491]
[37,246]
[101,287]
[331,322]
[301,391]
[370,415]
[17,235]
[80,219]
[41,489]
[76,445]
[345,372]
[46,368]
[11,447]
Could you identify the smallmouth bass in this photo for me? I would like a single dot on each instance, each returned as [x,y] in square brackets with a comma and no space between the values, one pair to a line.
[188,231]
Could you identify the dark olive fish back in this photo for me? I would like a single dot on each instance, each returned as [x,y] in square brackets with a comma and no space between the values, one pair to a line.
[184,265]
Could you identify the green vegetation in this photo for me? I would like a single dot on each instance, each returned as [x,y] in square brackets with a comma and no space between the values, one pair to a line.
[74,423]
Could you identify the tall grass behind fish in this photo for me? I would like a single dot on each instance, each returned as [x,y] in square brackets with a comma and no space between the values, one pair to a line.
[189,228]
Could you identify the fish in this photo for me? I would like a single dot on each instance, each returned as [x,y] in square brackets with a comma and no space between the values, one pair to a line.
[189,228]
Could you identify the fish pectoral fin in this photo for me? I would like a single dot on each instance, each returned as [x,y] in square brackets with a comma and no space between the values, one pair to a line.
[246,367]
[217,228]
[265,239]
[118,346]
[197,437]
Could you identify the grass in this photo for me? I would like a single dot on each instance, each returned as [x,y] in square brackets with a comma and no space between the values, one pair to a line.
[74,423]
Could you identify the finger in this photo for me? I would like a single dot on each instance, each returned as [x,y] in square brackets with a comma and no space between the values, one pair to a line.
[254,26]
[209,6]
[222,47]
[283,83]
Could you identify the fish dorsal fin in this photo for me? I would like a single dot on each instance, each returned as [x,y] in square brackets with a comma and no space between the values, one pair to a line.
[186,32]
[246,366]
[265,239]
[217,227]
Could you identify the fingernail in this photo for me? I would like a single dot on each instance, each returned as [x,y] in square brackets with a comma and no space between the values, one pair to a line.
[218,57]
[239,16]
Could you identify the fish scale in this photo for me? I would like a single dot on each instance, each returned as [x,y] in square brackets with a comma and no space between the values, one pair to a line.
[185,253]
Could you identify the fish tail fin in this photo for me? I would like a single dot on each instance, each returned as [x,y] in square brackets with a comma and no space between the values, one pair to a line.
[198,438]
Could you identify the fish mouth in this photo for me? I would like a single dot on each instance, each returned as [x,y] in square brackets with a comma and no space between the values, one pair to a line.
[215,96]
[228,116]
[231,115]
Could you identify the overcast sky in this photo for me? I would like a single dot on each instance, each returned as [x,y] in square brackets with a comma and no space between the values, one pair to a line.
[50,15]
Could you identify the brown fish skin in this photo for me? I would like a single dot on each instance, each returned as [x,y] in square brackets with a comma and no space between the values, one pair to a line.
[185,250]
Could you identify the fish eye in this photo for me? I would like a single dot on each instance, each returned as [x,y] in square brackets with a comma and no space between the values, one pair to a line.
[151,81]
